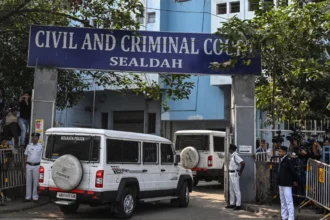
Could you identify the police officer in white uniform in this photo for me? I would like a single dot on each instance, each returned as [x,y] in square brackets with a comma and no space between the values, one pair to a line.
[236,167]
[33,154]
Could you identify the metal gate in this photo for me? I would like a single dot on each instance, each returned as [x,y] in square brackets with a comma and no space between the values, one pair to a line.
[311,129]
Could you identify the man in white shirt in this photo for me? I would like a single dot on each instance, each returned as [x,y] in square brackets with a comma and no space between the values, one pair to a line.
[236,167]
[33,155]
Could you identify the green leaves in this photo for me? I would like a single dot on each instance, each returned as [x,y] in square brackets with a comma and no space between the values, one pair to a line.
[16,16]
[295,78]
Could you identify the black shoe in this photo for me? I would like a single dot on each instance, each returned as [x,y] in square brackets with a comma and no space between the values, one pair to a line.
[36,201]
[27,200]
[237,208]
[230,207]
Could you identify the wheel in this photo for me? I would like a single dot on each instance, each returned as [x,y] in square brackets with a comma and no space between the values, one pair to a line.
[67,172]
[127,204]
[195,182]
[184,195]
[69,209]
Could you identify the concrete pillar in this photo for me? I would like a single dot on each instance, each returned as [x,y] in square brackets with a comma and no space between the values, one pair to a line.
[44,100]
[243,121]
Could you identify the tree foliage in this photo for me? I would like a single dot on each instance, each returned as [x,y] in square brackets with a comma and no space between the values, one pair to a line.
[16,16]
[292,42]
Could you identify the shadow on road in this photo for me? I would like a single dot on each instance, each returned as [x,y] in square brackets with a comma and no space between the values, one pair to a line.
[207,202]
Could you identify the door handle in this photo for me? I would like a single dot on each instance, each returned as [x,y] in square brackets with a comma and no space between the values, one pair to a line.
[144,171]
[162,170]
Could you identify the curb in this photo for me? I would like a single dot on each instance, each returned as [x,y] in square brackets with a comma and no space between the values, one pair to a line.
[298,215]
[32,206]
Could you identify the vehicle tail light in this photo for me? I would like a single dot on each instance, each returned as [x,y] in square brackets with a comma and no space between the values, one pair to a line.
[99,179]
[210,161]
[41,174]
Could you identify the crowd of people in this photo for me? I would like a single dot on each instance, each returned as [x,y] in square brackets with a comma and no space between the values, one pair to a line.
[300,148]
[292,180]
[14,119]
[14,125]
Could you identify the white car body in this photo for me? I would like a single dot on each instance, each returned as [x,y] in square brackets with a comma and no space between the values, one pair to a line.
[116,162]
[210,146]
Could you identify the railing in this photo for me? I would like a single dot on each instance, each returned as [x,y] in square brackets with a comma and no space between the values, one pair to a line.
[12,168]
[318,184]
[297,191]
[262,156]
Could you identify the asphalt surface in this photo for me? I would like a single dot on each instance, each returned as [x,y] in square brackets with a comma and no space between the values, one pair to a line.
[206,203]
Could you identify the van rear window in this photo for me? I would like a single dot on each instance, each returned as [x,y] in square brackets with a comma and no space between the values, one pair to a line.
[85,148]
[200,142]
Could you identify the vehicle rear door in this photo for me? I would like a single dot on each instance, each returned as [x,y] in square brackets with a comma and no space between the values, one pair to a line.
[201,142]
[84,147]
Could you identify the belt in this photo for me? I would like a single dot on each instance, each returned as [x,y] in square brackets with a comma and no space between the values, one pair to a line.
[33,164]
[233,171]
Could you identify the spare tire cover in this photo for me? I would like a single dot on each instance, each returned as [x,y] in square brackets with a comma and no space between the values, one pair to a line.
[67,172]
[189,157]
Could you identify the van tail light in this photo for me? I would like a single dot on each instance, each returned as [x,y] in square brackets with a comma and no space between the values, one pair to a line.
[41,174]
[99,179]
[210,161]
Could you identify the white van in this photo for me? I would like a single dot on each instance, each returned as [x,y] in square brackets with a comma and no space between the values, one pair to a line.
[105,167]
[203,152]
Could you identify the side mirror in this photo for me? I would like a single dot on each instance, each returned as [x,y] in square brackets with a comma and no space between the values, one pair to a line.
[177,159]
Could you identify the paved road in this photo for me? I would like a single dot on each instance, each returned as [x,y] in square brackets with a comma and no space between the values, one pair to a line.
[207,203]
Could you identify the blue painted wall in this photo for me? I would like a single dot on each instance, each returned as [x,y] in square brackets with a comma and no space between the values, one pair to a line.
[185,16]
[206,102]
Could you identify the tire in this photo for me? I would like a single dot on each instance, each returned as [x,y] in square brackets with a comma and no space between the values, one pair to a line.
[184,195]
[70,209]
[195,182]
[126,205]
[67,172]
[189,157]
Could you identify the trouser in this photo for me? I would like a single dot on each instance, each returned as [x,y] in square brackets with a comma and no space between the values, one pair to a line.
[287,208]
[32,180]
[234,189]
[11,130]
[301,189]
[24,125]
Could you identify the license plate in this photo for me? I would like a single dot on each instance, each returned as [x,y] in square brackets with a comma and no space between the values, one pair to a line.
[71,196]
[194,172]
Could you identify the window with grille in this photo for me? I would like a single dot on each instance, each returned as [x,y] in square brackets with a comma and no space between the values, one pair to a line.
[253,5]
[234,7]
[222,8]
[140,20]
[151,17]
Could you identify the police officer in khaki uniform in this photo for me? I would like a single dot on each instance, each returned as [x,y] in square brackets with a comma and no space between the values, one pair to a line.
[236,167]
[33,155]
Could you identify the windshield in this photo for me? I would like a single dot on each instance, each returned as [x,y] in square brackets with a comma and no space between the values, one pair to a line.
[85,148]
[200,142]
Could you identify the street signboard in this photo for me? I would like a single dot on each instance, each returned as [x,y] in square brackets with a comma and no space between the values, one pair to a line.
[122,50]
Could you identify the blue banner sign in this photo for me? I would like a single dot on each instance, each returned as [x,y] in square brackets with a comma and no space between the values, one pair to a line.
[121,50]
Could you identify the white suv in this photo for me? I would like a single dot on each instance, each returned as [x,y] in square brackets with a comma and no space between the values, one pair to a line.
[104,167]
[203,152]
